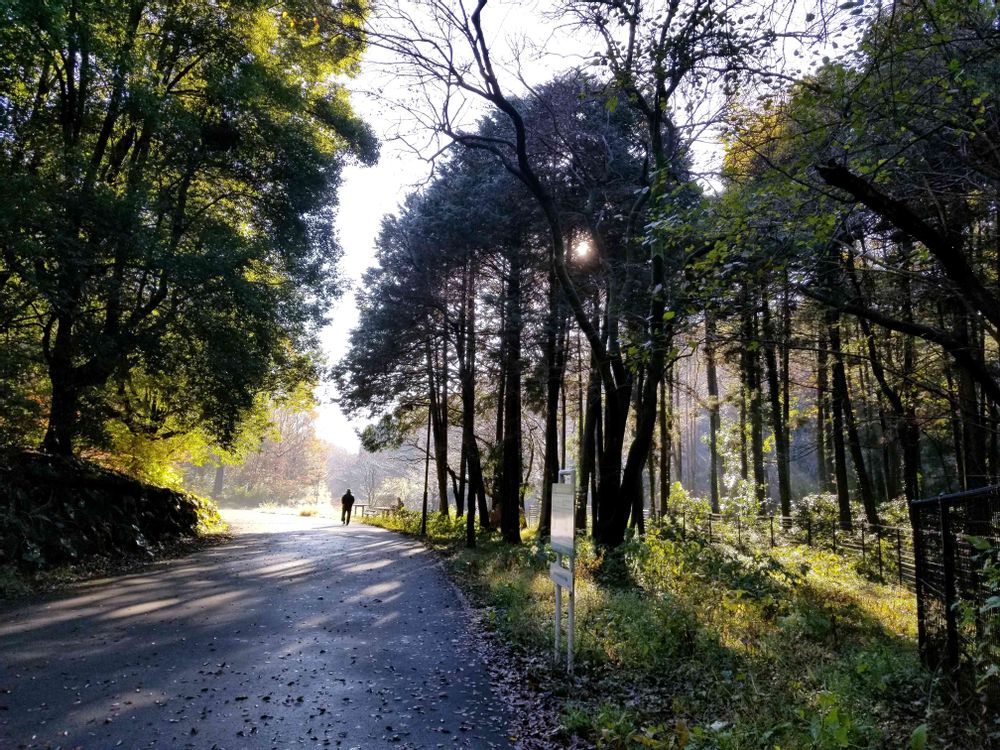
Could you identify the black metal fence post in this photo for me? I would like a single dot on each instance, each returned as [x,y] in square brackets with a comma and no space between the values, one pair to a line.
[950,599]
[916,518]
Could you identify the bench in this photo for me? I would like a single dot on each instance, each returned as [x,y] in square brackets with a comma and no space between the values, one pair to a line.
[379,510]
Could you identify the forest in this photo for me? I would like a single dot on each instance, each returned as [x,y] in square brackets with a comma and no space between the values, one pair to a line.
[711,260]
[569,288]
[815,329]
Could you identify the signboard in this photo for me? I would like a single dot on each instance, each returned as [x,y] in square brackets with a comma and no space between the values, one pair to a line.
[560,575]
[563,540]
[562,537]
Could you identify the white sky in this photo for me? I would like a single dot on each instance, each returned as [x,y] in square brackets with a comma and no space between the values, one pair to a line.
[366,195]
[369,193]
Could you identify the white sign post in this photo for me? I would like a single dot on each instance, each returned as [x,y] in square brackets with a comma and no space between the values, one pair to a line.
[563,539]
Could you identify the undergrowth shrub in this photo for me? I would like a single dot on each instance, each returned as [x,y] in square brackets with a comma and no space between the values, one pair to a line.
[685,644]
[55,511]
[681,502]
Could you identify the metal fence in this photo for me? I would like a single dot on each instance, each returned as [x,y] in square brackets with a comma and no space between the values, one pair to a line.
[958,580]
[950,558]
[883,552]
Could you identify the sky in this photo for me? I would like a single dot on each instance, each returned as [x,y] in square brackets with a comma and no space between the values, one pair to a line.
[366,195]
[369,193]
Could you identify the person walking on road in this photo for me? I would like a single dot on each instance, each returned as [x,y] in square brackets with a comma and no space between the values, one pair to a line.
[346,502]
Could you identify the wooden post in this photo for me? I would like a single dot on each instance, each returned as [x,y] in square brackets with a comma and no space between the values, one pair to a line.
[558,610]
[878,551]
[899,554]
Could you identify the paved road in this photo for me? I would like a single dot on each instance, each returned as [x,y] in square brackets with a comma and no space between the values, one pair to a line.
[298,633]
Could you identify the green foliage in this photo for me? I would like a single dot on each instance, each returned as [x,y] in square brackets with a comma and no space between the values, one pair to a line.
[831,727]
[681,502]
[442,531]
[981,621]
[819,508]
[166,217]
[780,648]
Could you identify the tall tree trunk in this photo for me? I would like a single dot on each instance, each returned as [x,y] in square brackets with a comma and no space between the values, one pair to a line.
[778,424]
[837,409]
[510,519]
[638,452]
[651,469]
[555,347]
[909,429]
[219,481]
[588,445]
[752,381]
[441,439]
[854,441]
[582,477]
[900,420]
[65,393]
[610,497]
[461,350]
[437,372]
[973,436]
[562,403]
[636,513]
[713,411]
[472,460]
[665,442]
[823,468]
[501,393]
[677,426]
[463,473]
[956,430]
[744,445]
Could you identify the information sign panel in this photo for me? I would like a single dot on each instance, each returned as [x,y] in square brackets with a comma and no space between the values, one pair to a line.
[562,519]
[561,576]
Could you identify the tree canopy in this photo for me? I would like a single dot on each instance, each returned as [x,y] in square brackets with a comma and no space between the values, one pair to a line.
[166,241]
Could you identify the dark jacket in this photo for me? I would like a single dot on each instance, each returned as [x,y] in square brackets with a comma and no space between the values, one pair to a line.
[347,499]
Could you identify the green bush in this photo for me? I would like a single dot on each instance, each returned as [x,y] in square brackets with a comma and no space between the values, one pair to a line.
[55,511]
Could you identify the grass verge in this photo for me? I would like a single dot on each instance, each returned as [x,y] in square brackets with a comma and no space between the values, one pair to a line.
[681,644]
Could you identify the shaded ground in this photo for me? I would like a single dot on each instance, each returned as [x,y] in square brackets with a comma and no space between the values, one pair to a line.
[298,633]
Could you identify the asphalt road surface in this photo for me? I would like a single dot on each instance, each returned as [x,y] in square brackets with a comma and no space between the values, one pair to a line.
[298,633]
